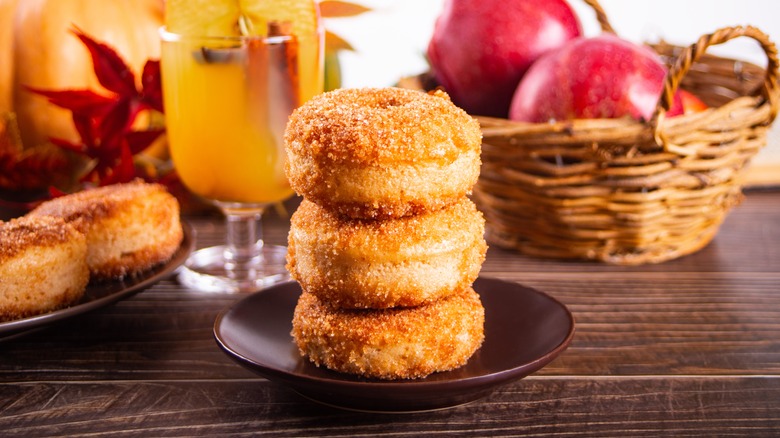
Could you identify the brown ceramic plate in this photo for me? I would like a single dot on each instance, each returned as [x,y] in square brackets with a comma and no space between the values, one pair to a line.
[524,330]
[101,294]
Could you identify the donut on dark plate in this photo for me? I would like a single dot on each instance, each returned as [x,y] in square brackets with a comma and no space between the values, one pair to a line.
[397,343]
[129,227]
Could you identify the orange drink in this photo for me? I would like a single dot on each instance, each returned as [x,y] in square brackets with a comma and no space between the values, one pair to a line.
[222,73]
[225,121]
[251,18]
[232,73]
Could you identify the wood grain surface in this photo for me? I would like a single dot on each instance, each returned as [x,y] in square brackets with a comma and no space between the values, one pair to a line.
[689,347]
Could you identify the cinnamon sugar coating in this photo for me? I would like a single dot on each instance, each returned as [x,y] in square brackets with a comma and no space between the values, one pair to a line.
[366,263]
[386,243]
[129,227]
[43,266]
[382,152]
[397,343]
[19,234]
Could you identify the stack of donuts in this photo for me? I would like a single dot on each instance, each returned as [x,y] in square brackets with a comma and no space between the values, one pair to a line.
[385,244]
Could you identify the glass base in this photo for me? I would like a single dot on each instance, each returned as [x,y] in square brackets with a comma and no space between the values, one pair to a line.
[205,271]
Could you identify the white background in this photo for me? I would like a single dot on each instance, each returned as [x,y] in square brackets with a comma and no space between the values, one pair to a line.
[390,41]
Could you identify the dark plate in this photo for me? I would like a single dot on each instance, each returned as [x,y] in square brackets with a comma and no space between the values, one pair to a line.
[101,294]
[524,330]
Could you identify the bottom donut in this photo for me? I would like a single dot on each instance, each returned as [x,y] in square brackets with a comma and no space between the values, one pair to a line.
[394,343]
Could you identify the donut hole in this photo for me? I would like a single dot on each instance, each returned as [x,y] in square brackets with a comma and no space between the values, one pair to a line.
[392,102]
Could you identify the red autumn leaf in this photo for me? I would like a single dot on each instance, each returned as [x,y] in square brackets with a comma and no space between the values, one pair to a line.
[111,71]
[85,125]
[152,85]
[55,192]
[126,170]
[116,122]
[24,169]
[30,169]
[104,123]
[119,169]
[77,101]
[140,140]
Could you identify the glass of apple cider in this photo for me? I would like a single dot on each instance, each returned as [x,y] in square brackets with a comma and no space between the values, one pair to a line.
[227,100]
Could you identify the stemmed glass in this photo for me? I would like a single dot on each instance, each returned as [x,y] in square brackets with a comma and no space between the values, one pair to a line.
[227,100]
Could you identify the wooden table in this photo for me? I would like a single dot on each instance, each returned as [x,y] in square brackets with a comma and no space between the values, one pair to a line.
[688,348]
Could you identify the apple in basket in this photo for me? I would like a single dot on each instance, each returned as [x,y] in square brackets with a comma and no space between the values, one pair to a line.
[480,49]
[599,77]
[686,103]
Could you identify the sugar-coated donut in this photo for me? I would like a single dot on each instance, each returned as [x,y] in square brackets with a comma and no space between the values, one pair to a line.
[367,263]
[129,227]
[43,266]
[398,343]
[382,152]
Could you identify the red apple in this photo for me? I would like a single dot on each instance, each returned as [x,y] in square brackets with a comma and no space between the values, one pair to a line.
[686,102]
[599,77]
[480,49]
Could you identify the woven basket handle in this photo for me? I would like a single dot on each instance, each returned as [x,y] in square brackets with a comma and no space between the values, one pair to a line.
[601,16]
[692,53]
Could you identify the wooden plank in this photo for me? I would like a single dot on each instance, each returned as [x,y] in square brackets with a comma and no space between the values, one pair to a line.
[588,407]
[627,323]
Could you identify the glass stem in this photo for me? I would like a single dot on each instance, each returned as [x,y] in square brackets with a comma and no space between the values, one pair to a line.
[243,251]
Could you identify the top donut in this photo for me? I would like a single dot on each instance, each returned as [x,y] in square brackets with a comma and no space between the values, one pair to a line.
[382,152]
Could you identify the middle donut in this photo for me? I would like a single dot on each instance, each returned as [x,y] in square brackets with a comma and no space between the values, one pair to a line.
[403,262]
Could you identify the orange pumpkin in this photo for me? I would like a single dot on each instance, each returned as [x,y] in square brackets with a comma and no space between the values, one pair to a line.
[46,55]
[7,8]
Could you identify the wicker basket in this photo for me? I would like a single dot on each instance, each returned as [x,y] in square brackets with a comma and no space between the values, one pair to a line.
[628,192]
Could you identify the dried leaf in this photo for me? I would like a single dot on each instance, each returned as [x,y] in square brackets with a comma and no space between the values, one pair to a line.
[335,8]
[334,43]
